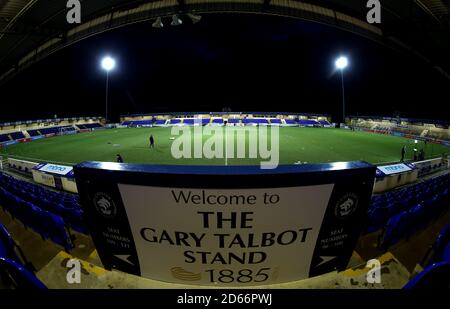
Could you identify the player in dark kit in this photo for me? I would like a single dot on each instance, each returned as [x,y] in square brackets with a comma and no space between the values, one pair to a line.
[403,153]
[152,141]
[119,158]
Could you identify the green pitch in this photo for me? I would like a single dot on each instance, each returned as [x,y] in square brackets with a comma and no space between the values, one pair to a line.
[297,145]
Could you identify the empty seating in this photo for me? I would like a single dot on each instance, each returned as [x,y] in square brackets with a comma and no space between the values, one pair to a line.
[435,276]
[191,121]
[291,122]
[217,121]
[324,122]
[53,130]
[159,122]
[33,132]
[11,250]
[92,125]
[4,138]
[175,121]
[135,123]
[33,204]
[7,245]
[255,121]
[275,121]
[17,135]
[441,247]
[17,276]
[234,120]
[432,194]
[308,122]
[410,210]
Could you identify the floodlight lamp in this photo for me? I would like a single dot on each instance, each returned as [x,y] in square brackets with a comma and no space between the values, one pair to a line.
[341,63]
[108,63]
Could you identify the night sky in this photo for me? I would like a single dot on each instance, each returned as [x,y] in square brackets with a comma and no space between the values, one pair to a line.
[245,62]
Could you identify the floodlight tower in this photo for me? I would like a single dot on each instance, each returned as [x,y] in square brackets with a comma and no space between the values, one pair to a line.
[108,64]
[341,63]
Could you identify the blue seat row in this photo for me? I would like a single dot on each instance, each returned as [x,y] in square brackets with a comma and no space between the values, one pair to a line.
[89,126]
[61,204]
[387,205]
[405,224]
[13,271]
[46,224]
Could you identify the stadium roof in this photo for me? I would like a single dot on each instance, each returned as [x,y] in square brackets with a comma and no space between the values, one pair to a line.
[31,30]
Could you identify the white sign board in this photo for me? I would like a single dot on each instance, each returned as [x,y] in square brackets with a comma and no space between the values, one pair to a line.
[56,169]
[229,236]
[394,168]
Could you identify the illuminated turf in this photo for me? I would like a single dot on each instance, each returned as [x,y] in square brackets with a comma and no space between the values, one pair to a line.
[311,145]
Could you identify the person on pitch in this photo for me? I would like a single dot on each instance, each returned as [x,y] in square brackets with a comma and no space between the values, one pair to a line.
[152,141]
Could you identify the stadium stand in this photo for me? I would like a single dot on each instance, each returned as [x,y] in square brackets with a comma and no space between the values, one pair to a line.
[34,132]
[89,126]
[308,122]
[258,121]
[159,122]
[275,121]
[53,130]
[135,123]
[432,194]
[16,135]
[234,120]
[440,250]
[4,138]
[435,276]
[7,245]
[191,121]
[175,121]
[409,210]
[47,212]
[423,128]
[17,276]
[217,121]
[248,118]
[291,122]
[11,250]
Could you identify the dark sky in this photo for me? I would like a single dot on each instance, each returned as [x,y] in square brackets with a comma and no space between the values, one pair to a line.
[246,62]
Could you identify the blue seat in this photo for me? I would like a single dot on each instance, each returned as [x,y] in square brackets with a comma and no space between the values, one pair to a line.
[53,228]
[396,229]
[7,245]
[441,247]
[435,276]
[17,276]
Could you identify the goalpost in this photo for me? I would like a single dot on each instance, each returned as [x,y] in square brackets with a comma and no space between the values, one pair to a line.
[67,130]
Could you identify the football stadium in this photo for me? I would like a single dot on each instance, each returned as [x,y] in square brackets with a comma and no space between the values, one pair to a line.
[229,144]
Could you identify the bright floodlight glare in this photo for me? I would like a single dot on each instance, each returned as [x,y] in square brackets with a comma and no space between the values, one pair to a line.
[341,63]
[108,63]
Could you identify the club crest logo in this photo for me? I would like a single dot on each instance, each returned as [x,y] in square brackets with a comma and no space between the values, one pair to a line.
[346,206]
[105,205]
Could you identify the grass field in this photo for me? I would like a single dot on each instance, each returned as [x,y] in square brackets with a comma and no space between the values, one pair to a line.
[311,145]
